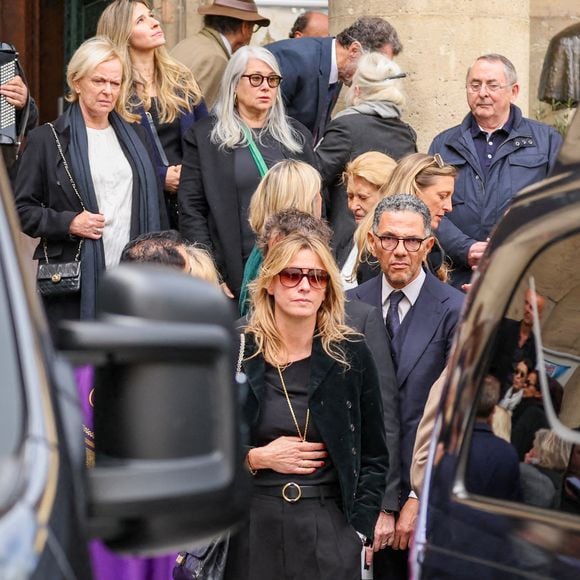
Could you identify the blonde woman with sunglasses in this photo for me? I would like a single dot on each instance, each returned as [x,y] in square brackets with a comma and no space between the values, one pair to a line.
[317,445]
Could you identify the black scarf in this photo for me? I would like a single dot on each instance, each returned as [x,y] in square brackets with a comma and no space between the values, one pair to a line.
[93,255]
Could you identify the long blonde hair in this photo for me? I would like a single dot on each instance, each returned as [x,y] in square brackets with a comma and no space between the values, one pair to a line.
[418,171]
[330,319]
[177,90]
[288,183]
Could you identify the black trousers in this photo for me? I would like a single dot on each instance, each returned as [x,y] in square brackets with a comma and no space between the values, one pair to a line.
[389,564]
[306,540]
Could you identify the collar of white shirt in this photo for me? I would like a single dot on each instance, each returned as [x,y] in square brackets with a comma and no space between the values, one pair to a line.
[333,78]
[411,292]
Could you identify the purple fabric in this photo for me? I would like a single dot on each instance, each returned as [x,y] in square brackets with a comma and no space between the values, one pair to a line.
[106,564]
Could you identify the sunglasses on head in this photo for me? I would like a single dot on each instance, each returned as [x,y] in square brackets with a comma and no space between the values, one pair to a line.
[291,277]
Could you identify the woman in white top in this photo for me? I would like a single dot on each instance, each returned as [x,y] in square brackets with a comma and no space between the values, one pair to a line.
[108,163]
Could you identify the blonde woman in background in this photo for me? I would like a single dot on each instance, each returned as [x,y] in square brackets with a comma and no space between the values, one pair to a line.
[371,122]
[161,94]
[288,184]
[365,179]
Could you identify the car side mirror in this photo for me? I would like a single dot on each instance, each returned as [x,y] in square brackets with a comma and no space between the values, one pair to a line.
[168,450]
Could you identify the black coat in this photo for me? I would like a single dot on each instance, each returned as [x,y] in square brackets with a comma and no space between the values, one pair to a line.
[47,204]
[347,411]
[208,202]
[347,137]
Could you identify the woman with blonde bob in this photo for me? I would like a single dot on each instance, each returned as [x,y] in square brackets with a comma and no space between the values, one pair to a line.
[288,184]
[161,92]
[370,122]
[317,454]
[365,179]
[229,152]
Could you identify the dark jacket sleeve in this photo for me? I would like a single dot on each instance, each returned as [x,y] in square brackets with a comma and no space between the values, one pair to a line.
[377,341]
[373,451]
[334,152]
[193,205]
[43,207]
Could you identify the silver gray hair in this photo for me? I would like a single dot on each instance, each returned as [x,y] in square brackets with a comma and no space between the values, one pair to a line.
[509,69]
[403,202]
[228,130]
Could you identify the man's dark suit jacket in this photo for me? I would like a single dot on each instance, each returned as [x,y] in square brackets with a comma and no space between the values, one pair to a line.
[305,65]
[420,350]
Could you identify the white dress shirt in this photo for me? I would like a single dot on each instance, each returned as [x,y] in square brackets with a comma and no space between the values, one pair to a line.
[411,292]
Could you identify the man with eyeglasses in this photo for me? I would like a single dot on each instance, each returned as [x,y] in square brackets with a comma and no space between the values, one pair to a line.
[498,152]
[420,314]
[314,69]
[227,26]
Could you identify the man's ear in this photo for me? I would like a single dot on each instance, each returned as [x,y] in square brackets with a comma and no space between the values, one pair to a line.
[515,92]
[355,49]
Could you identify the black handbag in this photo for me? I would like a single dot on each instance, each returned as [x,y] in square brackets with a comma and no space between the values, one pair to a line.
[60,278]
[209,563]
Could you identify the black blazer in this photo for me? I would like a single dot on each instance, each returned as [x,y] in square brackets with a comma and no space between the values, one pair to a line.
[208,202]
[369,321]
[347,411]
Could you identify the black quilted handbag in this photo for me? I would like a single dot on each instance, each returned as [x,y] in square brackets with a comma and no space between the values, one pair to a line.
[59,278]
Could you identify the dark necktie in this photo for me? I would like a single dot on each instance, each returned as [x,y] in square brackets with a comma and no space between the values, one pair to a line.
[393,322]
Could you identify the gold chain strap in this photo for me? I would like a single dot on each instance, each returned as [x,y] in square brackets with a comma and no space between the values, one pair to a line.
[302,437]
[74,186]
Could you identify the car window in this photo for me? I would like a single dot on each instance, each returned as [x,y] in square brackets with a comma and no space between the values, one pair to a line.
[11,393]
[524,443]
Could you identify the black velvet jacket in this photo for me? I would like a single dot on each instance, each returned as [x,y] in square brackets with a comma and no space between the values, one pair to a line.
[347,410]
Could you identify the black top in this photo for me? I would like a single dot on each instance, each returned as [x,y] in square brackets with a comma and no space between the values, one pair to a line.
[169,135]
[247,178]
[275,421]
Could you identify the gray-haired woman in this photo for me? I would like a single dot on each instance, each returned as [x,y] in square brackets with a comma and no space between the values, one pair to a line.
[227,154]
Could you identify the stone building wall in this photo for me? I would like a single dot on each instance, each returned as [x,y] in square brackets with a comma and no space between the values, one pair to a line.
[441,38]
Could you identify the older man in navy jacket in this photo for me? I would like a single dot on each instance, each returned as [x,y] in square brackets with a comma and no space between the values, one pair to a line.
[313,69]
[420,314]
[498,152]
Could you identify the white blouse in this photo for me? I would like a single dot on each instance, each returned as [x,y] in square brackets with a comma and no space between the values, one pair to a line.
[113,183]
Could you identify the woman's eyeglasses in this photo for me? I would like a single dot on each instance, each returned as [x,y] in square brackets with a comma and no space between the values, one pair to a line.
[291,277]
[257,79]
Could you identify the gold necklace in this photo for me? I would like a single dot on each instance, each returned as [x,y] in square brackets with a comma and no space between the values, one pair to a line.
[302,437]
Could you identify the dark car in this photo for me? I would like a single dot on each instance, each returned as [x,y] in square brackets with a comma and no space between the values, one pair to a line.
[502,497]
[168,468]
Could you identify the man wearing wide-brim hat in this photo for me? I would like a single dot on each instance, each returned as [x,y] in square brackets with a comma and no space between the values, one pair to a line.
[228,25]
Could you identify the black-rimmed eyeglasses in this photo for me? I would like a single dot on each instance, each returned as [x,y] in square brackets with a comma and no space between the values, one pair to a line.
[257,79]
[291,277]
[389,243]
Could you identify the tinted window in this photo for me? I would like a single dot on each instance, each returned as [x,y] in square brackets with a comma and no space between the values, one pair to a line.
[523,447]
